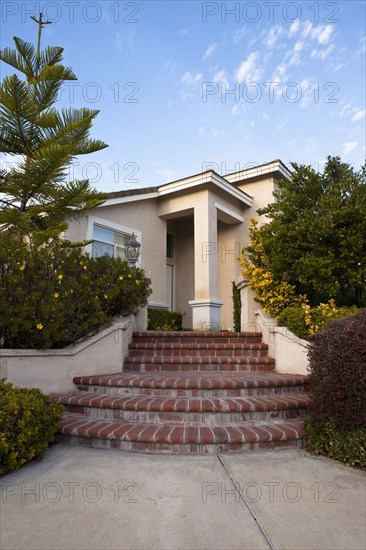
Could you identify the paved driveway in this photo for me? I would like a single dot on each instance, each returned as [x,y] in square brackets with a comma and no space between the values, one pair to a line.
[80,498]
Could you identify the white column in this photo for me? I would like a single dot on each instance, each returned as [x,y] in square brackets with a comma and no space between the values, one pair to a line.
[206,307]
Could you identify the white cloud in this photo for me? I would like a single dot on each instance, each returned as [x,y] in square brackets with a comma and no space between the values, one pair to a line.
[295,26]
[202,131]
[349,146]
[307,29]
[322,54]
[238,35]
[275,32]
[346,109]
[220,76]
[210,51]
[359,115]
[190,80]
[248,70]
[339,67]
[322,33]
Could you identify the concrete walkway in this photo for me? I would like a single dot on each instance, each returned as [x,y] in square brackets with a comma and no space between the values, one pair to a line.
[80,498]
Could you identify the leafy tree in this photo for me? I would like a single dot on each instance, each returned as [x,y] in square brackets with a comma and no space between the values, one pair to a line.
[316,235]
[35,194]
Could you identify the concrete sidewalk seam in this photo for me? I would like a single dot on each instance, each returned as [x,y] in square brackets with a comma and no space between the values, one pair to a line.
[247,504]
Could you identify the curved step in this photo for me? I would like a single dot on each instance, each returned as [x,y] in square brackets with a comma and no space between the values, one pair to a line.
[198,337]
[203,350]
[162,363]
[194,384]
[177,438]
[212,411]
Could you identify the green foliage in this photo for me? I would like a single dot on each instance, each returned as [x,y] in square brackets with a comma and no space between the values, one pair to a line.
[164,320]
[315,238]
[28,422]
[293,317]
[337,366]
[53,296]
[36,195]
[272,293]
[236,307]
[348,446]
[303,320]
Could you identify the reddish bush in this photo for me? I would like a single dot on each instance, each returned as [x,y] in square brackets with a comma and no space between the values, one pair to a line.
[338,373]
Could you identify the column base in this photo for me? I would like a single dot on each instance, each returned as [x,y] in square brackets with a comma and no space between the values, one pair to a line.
[206,314]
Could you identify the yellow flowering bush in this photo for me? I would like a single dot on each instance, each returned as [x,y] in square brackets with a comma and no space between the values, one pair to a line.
[280,298]
[62,294]
[274,295]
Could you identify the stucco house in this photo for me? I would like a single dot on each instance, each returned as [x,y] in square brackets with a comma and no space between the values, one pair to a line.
[191,233]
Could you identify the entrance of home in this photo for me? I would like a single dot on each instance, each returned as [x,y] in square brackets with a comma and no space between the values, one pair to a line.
[170,286]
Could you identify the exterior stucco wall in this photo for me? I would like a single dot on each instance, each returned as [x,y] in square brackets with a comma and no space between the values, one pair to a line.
[184,269]
[139,216]
[190,215]
[229,241]
[54,370]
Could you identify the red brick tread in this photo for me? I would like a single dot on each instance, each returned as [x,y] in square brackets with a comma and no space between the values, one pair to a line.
[196,334]
[176,433]
[194,380]
[166,404]
[193,360]
[196,346]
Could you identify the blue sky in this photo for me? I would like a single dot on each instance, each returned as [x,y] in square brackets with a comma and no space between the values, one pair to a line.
[186,86]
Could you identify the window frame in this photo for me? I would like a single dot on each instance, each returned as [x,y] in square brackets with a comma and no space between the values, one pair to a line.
[112,226]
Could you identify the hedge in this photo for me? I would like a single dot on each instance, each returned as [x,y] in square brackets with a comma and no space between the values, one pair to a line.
[164,320]
[28,422]
[54,296]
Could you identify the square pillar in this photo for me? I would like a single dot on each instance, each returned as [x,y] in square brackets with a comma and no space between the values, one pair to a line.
[206,307]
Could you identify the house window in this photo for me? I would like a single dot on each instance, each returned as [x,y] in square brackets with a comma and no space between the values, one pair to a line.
[170,246]
[108,241]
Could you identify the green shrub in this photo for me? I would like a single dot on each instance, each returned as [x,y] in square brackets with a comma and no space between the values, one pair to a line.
[53,296]
[164,320]
[337,366]
[347,446]
[236,307]
[303,320]
[293,317]
[28,422]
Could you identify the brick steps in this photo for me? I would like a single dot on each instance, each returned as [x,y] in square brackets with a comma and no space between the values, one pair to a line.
[193,384]
[191,337]
[197,363]
[197,350]
[160,409]
[177,438]
[188,392]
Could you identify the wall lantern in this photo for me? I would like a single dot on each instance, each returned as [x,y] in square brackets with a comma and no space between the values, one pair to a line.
[132,249]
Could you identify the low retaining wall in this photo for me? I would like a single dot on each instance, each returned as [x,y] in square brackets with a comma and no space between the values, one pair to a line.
[289,351]
[53,370]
